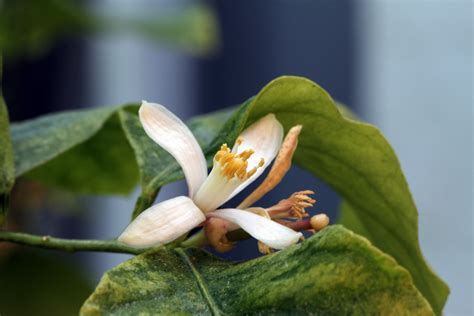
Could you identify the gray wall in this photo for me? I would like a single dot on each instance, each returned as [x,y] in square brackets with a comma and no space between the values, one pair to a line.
[415,83]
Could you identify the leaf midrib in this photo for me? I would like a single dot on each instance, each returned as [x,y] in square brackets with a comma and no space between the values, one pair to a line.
[200,282]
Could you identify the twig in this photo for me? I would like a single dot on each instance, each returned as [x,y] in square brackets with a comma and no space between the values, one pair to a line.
[74,245]
[70,245]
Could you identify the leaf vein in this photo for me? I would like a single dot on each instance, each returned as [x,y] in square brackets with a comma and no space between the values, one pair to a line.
[200,282]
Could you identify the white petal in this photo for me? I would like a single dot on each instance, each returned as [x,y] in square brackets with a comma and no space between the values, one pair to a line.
[267,231]
[174,136]
[163,223]
[265,137]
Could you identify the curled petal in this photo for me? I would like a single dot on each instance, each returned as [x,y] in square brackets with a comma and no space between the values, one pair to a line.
[163,223]
[279,169]
[267,231]
[174,136]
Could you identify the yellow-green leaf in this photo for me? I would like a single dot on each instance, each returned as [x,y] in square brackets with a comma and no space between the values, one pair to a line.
[359,163]
[333,273]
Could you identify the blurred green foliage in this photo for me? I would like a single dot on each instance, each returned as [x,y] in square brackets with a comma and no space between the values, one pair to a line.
[7,167]
[29,27]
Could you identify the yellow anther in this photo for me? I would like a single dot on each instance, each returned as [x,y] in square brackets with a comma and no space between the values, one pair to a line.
[246,154]
[235,165]
[239,141]
[252,172]
[222,152]
[225,148]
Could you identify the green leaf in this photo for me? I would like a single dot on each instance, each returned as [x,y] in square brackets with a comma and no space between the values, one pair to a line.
[83,151]
[333,273]
[359,163]
[7,168]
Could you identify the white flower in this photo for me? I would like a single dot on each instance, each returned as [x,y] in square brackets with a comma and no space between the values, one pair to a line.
[233,170]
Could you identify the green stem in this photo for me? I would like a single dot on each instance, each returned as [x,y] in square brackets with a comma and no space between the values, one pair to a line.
[73,245]
[70,245]
[197,240]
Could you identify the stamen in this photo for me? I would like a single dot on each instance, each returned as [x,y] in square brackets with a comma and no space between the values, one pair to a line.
[294,206]
[237,144]
[300,201]
[235,165]
[230,170]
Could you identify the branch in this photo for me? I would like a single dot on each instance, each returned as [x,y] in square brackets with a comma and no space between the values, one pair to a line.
[70,245]
[74,245]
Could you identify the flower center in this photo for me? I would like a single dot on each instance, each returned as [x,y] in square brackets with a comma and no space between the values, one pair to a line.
[235,165]
[230,170]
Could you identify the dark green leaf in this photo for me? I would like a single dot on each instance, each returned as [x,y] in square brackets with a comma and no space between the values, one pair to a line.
[83,151]
[7,167]
[332,273]
[39,140]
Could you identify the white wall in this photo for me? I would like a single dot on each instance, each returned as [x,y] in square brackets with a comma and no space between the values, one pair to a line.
[415,83]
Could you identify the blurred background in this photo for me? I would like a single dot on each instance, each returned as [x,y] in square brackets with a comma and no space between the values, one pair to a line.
[405,66]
